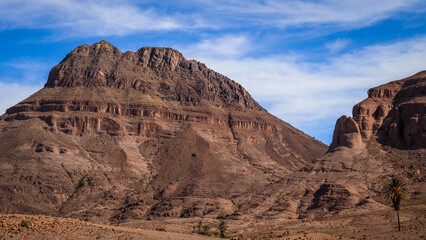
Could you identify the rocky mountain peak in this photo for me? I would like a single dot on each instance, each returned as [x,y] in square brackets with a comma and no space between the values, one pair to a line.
[144,134]
[388,90]
[160,58]
[155,71]
[90,63]
[393,113]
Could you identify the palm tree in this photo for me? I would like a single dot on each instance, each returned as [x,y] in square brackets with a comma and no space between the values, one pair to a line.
[396,192]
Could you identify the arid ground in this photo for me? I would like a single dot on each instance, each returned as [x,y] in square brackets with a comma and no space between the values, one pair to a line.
[146,144]
[370,225]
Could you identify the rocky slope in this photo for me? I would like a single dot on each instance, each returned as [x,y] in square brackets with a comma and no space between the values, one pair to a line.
[386,137]
[364,155]
[116,136]
[119,137]
[48,227]
[394,113]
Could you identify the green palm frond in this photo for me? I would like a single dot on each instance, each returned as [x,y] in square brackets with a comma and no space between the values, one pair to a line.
[396,191]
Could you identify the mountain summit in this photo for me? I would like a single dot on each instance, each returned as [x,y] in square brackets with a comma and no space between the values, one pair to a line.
[393,113]
[115,136]
[159,72]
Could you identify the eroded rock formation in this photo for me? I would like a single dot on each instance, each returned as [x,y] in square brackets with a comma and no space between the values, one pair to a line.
[138,135]
[116,136]
[346,133]
[393,113]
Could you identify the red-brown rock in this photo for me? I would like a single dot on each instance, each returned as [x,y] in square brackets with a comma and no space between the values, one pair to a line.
[346,133]
[394,113]
[115,136]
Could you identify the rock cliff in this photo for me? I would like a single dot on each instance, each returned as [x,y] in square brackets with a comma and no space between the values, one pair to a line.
[149,134]
[393,113]
[135,135]
[386,137]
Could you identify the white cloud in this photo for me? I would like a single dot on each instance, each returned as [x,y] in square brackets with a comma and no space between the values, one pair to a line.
[12,93]
[27,71]
[228,46]
[104,18]
[303,93]
[341,12]
[290,13]
[26,77]
[84,18]
[337,45]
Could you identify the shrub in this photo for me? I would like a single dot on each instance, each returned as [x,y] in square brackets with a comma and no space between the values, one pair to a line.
[222,228]
[202,229]
[199,226]
[206,230]
[25,223]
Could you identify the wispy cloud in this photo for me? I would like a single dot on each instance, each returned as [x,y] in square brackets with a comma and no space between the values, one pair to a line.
[295,13]
[337,45]
[84,18]
[12,93]
[25,71]
[228,46]
[76,18]
[304,93]
[19,79]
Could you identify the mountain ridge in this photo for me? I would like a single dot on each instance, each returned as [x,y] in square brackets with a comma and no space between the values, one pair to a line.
[104,65]
[393,112]
[117,136]
[91,145]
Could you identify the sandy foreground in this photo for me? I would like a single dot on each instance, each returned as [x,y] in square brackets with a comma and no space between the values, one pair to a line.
[47,227]
[368,225]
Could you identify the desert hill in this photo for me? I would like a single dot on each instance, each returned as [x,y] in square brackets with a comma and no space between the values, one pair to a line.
[393,113]
[385,138]
[150,138]
[117,136]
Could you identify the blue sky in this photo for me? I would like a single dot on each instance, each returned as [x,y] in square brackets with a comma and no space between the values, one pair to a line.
[307,62]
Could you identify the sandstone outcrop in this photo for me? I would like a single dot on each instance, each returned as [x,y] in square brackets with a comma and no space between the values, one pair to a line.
[393,113]
[385,138]
[115,136]
[346,133]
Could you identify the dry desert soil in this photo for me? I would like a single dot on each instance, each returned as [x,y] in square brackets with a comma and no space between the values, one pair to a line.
[380,224]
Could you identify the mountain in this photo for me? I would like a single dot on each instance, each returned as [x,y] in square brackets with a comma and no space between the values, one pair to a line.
[115,136]
[385,138]
[393,113]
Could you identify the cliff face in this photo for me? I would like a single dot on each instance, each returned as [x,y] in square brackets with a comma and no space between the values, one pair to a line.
[347,133]
[115,136]
[159,72]
[153,82]
[384,138]
[393,114]
[121,136]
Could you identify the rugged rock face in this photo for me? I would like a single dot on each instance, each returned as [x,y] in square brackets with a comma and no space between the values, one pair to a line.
[160,72]
[394,113]
[346,133]
[122,136]
[385,137]
[116,136]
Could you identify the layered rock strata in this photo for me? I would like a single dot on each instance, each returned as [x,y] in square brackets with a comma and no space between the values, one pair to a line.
[393,113]
[115,136]
[137,135]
